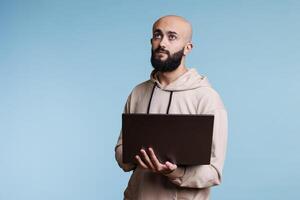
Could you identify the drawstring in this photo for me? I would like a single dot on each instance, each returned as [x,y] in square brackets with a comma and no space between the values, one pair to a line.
[170,99]
[151,98]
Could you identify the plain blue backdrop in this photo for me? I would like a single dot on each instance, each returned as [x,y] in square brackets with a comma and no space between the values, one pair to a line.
[67,67]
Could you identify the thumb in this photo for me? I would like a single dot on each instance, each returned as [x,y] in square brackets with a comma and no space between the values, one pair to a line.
[171,166]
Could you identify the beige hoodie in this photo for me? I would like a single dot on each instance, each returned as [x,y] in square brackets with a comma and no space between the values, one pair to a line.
[190,93]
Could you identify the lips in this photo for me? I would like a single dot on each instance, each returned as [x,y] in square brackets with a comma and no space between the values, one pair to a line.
[162,52]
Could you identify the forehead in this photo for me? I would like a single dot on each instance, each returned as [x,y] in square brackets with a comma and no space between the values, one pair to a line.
[169,26]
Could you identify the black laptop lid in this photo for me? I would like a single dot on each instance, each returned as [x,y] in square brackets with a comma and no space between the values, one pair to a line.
[178,138]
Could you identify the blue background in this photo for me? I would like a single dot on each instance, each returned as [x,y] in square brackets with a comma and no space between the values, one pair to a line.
[67,67]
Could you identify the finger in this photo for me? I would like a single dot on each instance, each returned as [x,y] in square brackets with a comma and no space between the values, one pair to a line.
[140,162]
[147,160]
[171,166]
[154,159]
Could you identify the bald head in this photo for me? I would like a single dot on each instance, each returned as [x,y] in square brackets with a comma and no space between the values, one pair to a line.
[175,23]
[171,41]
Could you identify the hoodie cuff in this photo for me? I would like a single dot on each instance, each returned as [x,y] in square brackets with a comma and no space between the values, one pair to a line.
[177,173]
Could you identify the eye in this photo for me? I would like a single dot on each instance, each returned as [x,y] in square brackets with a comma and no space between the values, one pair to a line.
[172,37]
[156,35]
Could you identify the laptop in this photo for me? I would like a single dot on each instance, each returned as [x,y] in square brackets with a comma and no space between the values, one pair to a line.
[182,139]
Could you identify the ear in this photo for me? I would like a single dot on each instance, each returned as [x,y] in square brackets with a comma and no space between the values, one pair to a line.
[188,48]
[151,41]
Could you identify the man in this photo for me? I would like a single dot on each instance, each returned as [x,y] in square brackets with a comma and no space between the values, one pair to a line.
[175,89]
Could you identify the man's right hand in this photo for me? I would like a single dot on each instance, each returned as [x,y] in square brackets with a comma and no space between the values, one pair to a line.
[148,160]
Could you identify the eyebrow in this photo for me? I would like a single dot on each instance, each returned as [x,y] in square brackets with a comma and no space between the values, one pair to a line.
[169,32]
[172,32]
[157,30]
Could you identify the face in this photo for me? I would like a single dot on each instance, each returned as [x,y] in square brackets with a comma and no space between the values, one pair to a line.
[169,45]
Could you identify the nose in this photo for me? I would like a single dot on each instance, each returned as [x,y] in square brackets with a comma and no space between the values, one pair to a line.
[163,42]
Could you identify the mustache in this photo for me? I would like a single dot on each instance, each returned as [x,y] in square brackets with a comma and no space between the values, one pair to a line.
[161,50]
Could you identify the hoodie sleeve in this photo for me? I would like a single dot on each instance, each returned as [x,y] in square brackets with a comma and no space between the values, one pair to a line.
[201,176]
[118,148]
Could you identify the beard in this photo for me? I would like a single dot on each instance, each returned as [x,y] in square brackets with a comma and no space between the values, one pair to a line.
[171,63]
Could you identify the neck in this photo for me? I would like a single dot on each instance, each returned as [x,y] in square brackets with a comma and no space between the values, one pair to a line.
[165,78]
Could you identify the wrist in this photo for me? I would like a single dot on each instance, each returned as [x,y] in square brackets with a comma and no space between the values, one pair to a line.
[177,173]
[169,172]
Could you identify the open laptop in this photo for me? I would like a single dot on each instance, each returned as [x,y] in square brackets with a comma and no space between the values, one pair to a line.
[179,138]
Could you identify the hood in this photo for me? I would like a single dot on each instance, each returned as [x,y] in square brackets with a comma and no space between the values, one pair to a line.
[187,81]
